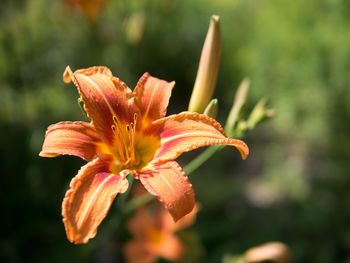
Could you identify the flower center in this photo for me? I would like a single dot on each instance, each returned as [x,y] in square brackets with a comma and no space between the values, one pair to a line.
[125,142]
[133,148]
[155,236]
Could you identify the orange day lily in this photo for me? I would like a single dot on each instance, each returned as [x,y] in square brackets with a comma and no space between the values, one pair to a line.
[128,134]
[90,8]
[154,235]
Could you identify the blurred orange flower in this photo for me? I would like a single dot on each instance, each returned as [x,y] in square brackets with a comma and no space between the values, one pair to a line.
[128,134]
[90,8]
[154,236]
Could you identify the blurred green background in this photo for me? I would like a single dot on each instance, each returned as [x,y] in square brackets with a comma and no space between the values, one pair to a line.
[294,186]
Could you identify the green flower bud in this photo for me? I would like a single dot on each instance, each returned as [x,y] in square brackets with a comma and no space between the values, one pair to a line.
[208,68]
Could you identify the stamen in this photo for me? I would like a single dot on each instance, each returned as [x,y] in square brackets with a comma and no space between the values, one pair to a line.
[127,155]
[132,142]
[121,137]
[135,119]
[115,120]
[119,146]
[129,130]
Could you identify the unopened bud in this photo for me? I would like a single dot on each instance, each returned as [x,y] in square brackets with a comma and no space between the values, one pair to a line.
[259,114]
[238,103]
[208,68]
[134,28]
[212,109]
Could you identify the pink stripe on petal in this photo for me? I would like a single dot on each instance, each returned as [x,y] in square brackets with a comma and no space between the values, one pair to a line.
[152,97]
[89,198]
[188,131]
[73,138]
[104,96]
[170,184]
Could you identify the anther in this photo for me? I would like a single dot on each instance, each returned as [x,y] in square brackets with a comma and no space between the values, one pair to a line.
[135,118]
[115,119]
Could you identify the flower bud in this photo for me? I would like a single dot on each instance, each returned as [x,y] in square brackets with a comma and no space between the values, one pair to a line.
[256,116]
[238,103]
[208,68]
[259,114]
[212,109]
[134,28]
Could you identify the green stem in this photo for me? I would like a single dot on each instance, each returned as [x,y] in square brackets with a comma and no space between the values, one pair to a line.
[204,156]
[137,202]
[123,197]
[200,159]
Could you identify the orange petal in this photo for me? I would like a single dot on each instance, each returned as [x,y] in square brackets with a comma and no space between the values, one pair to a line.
[139,224]
[164,220]
[188,220]
[89,198]
[90,8]
[103,96]
[152,97]
[171,185]
[169,248]
[153,236]
[188,131]
[137,250]
[73,138]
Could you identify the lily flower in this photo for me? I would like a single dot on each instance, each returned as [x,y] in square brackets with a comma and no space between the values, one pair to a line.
[90,8]
[154,235]
[128,134]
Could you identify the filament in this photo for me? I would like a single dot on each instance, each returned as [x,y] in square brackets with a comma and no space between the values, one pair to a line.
[119,146]
[121,137]
[127,155]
